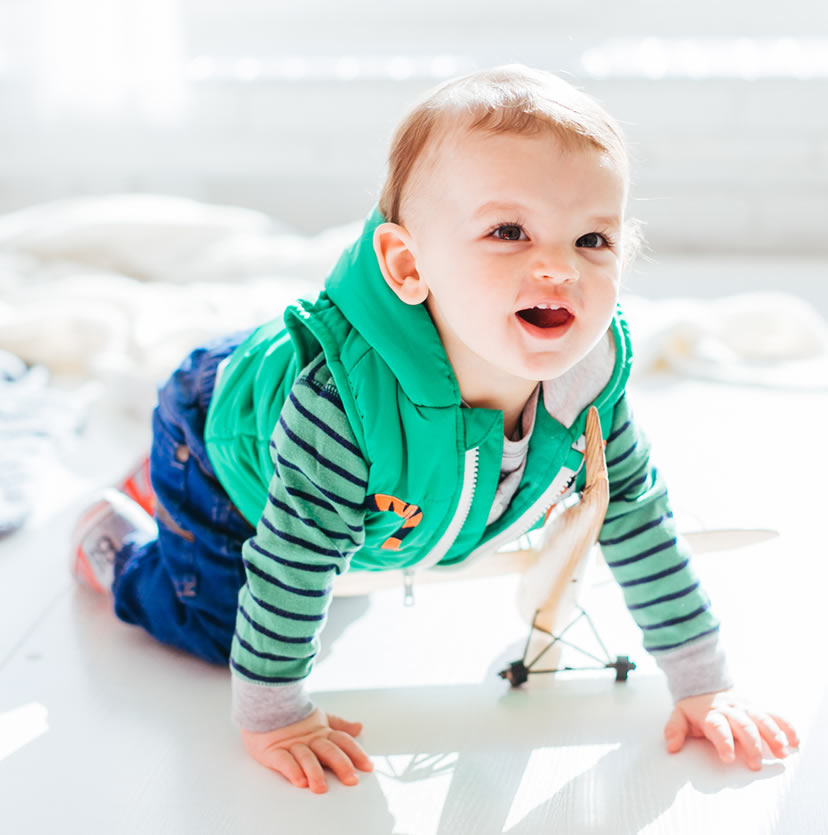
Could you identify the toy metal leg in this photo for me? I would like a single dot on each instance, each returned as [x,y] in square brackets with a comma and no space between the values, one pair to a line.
[518,672]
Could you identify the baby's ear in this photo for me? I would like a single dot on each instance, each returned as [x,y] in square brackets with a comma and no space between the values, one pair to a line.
[394,249]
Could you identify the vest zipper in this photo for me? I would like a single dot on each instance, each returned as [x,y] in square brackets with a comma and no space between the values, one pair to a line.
[470,465]
[470,461]
[521,525]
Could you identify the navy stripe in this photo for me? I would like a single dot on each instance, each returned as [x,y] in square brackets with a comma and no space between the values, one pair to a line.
[284,613]
[623,456]
[309,497]
[643,554]
[332,496]
[318,457]
[682,619]
[274,635]
[269,656]
[617,432]
[665,598]
[269,578]
[332,396]
[327,390]
[637,531]
[269,679]
[315,370]
[309,522]
[628,483]
[297,540]
[694,638]
[300,565]
[609,519]
[650,577]
[343,442]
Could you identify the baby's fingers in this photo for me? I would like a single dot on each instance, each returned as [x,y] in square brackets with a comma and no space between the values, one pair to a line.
[787,728]
[337,723]
[675,731]
[353,750]
[311,767]
[335,758]
[717,729]
[745,730]
[776,732]
[284,763]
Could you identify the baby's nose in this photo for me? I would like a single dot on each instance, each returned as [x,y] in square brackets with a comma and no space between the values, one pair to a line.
[556,268]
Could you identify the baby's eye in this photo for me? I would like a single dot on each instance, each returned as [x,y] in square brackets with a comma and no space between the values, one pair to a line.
[509,232]
[593,240]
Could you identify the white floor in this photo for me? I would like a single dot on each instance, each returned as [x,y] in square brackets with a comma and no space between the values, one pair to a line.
[102,730]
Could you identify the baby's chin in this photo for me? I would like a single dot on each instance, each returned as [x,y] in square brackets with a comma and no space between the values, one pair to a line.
[552,364]
[544,368]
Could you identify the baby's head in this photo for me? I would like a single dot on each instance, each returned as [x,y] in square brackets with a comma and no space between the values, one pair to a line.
[505,203]
[511,99]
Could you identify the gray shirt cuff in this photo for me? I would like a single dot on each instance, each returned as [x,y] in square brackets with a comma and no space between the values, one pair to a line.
[261,707]
[695,668]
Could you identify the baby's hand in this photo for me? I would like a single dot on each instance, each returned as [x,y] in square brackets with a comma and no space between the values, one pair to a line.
[299,751]
[723,716]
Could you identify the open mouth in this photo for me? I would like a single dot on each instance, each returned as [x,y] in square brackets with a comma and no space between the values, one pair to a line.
[546,317]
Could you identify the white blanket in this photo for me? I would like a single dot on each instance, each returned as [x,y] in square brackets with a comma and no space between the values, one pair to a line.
[765,339]
[119,288]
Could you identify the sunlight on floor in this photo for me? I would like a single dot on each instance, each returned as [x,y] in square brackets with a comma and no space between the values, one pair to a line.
[20,726]
[544,776]
[415,787]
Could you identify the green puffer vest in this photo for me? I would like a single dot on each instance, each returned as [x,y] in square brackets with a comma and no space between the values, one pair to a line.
[440,461]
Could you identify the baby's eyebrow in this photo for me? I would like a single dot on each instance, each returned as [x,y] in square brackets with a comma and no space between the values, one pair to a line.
[498,205]
[519,208]
[606,220]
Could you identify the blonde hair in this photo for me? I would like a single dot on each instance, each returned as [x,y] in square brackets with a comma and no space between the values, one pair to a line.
[508,99]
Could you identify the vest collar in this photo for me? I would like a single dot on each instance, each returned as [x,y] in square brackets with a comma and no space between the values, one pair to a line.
[402,334]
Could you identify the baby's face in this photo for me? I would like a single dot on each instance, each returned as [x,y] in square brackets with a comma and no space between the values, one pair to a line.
[518,242]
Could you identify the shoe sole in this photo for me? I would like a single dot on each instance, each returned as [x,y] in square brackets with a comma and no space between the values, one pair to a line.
[82,568]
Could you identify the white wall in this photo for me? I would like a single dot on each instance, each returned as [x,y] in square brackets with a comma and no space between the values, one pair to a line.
[114,95]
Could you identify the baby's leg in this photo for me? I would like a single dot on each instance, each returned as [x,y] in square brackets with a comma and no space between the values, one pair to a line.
[182,585]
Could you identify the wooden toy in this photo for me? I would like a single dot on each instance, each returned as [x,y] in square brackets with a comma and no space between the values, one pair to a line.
[551,585]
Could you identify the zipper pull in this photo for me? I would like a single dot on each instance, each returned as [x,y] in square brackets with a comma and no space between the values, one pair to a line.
[408,587]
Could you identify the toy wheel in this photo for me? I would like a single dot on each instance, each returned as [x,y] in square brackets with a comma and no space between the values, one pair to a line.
[516,673]
[622,666]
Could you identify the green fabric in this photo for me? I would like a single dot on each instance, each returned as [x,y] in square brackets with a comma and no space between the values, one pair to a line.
[243,412]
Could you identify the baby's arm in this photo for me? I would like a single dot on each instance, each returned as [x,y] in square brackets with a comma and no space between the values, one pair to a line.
[651,563]
[311,524]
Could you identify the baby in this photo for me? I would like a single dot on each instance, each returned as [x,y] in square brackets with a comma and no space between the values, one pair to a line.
[427,407]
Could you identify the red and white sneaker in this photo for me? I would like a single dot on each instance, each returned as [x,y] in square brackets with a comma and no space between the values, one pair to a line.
[138,487]
[100,533]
